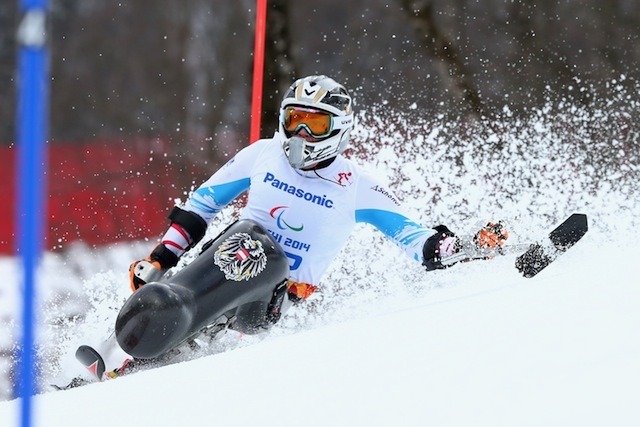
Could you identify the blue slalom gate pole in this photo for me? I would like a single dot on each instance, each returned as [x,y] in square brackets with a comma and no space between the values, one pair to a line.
[32,111]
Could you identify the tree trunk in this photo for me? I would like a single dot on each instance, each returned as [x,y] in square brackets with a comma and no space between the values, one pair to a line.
[442,48]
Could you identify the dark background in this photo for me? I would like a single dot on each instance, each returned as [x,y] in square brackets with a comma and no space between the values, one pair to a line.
[182,69]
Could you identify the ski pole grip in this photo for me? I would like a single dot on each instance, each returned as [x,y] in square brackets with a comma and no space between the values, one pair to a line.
[147,272]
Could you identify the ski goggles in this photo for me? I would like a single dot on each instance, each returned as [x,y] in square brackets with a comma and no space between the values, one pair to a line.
[317,123]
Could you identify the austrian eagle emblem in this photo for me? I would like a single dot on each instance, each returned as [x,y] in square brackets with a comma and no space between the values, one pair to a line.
[240,257]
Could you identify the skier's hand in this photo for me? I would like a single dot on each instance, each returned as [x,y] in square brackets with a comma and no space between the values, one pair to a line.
[443,244]
[152,267]
[143,271]
[491,235]
[447,246]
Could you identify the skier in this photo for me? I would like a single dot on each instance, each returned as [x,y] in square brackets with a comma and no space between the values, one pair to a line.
[307,195]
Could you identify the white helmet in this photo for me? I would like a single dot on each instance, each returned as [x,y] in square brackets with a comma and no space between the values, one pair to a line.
[315,94]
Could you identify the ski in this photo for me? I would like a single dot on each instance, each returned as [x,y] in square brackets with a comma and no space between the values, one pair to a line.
[471,252]
[92,360]
[76,382]
[539,255]
[534,257]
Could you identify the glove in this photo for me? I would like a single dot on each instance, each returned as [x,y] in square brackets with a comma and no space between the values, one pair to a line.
[152,267]
[447,246]
[144,271]
[491,235]
[443,244]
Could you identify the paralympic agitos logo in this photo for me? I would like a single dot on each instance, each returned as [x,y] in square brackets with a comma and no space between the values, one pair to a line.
[276,213]
[298,192]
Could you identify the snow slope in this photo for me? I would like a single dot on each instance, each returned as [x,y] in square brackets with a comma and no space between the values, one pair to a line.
[494,349]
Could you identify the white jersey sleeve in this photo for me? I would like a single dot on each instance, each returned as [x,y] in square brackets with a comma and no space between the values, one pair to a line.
[226,184]
[377,205]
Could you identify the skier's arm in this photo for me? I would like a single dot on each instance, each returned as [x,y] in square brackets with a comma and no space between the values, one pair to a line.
[189,223]
[424,245]
[377,205]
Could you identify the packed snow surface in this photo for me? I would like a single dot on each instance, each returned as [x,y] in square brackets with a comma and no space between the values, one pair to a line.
[487,348]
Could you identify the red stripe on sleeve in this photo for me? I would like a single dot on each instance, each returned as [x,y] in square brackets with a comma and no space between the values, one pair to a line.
[181,231]
[172,243]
